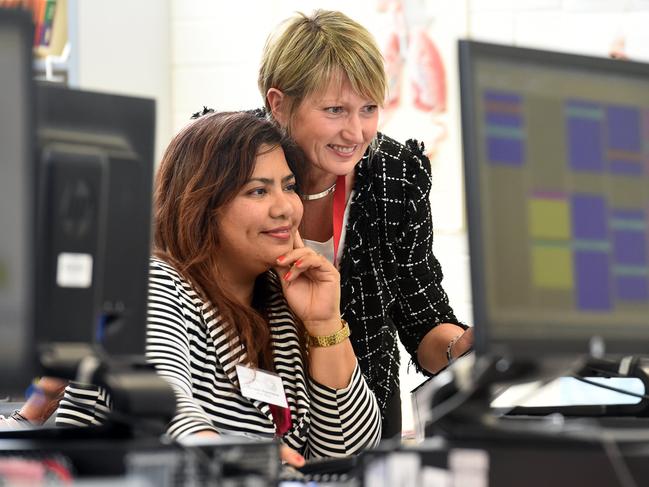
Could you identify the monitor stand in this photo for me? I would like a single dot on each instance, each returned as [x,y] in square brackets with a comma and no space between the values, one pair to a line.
[460,401]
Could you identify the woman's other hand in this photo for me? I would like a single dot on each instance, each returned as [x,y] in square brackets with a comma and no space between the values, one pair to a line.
[44,400]
[433,348]
[291,457]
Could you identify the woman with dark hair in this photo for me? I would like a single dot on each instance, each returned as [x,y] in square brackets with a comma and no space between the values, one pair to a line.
[237,304]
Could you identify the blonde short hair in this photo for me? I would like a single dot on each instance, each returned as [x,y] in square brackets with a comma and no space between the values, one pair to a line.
[306,53]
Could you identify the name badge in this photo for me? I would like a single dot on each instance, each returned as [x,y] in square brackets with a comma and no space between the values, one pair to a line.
[261,386]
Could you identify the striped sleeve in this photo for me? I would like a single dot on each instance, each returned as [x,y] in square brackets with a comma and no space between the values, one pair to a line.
[83,405]
[343,421]
[168,349]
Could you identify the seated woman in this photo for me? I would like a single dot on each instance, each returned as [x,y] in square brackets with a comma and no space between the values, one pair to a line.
[233,290]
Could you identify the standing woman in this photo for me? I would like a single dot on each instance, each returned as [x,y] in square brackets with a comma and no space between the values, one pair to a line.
[234,293]
[366,199]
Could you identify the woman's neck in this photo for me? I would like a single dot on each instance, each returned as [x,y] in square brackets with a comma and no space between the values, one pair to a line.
[317,220]
[239,287]
[243,294]
[318,181]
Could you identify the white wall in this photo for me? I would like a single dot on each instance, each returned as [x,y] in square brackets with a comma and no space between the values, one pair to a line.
[581,26]
[123,46]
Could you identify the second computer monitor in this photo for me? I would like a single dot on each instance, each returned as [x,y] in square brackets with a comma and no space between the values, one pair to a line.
[556,153]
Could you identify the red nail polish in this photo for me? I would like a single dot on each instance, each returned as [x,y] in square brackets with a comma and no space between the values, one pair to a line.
[281,258]
[287,276]
[298,262]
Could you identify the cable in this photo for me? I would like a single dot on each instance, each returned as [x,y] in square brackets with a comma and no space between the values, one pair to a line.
[608,373]
[584,430]
[616,459]
[610,388]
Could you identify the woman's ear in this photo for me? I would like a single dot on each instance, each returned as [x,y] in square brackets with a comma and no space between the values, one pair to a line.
[278,104]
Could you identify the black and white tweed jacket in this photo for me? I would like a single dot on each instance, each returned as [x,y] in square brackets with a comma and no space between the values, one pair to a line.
[390,278]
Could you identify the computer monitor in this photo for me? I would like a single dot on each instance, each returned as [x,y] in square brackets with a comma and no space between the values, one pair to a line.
[17,190]
[556,159]
[96,165]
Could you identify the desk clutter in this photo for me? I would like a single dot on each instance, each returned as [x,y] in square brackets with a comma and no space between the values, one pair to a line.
[81,460]
[435,462]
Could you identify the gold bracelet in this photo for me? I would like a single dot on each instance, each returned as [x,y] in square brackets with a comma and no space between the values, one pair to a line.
[330,340]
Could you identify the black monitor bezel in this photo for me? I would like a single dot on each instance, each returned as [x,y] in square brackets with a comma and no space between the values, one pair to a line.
[528,348]
[15,379]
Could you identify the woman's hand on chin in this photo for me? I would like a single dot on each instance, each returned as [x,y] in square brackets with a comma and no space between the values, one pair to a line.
[311,285]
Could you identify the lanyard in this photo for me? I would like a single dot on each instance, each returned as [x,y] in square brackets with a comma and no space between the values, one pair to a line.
[339,213]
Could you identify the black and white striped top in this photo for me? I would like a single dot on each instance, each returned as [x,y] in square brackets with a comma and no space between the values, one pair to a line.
[186,342]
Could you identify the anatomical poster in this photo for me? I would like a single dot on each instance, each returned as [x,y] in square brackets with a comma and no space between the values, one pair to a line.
[419,41]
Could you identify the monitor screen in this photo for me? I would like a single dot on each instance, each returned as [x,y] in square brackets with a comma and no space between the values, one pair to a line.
[17,190]
[556,151]
[96,166]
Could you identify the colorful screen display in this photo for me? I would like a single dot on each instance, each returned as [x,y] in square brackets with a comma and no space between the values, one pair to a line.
[558,198]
